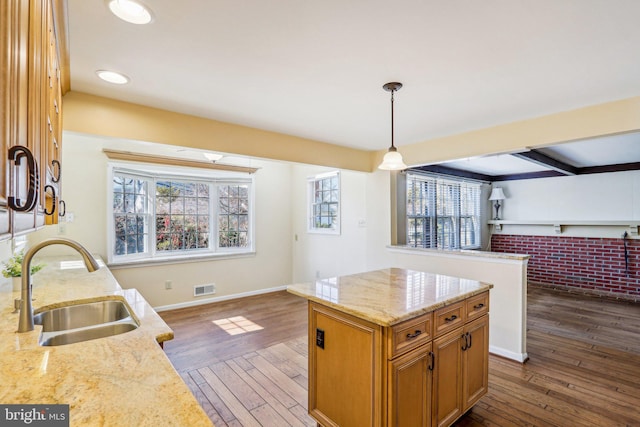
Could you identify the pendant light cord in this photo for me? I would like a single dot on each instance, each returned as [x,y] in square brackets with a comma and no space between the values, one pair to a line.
[392,146]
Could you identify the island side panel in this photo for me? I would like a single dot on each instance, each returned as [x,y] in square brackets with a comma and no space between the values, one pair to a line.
[345,377]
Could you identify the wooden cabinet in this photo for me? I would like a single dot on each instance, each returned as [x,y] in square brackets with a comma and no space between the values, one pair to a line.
[14,71]
[344,369]
[461,370]
[475,362]
[410,388]
[447,378]
[30,112]
[426,371]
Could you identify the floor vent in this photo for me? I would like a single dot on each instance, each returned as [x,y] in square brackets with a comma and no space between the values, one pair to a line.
[201,290]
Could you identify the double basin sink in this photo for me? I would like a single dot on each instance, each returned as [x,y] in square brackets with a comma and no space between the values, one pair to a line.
[85,321]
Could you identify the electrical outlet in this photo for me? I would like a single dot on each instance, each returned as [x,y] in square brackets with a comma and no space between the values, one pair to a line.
[168,284]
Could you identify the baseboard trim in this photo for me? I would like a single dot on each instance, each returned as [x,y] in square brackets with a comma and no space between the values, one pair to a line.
[518,357]
[217,299]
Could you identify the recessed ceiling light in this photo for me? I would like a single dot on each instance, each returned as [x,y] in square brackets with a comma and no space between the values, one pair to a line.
[112,77]
[130,11]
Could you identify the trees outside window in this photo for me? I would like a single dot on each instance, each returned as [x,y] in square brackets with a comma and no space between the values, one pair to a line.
[165,215]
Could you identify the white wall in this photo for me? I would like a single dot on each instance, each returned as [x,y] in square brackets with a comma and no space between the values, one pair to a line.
[611,196]
[508,298]
[322,255]
[84,191]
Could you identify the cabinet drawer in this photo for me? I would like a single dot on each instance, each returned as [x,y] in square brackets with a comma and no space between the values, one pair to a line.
[448,318]
[477,306]
[411,334]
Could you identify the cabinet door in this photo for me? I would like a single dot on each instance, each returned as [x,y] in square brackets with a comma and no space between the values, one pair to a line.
[14,90]
[447,378]
[344,369]
[475,364]
[409,385]
[51,162]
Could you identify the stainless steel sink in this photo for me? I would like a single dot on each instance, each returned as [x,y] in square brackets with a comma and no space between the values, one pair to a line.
[84,321]
[86,334]
[81,315]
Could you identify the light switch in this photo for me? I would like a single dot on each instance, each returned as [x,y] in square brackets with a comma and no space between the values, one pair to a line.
[320,338]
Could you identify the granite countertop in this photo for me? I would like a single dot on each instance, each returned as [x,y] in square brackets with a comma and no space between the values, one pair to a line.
[125,379]
[389,296]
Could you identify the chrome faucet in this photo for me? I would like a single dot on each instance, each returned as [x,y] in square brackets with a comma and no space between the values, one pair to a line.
[25,323]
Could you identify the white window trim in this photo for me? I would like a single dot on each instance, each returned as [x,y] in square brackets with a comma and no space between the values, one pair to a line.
[146,170]
[337,229]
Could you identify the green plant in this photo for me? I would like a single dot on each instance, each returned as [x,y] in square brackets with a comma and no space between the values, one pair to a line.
[13,267]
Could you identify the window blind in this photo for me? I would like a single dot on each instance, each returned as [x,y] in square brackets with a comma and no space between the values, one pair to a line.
[443,213]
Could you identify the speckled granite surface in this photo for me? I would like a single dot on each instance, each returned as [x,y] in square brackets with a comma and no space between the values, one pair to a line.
[120,380]
[389,296]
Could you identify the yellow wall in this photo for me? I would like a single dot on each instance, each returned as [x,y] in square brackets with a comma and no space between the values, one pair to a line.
[95,115]
[102,116]
[598,120]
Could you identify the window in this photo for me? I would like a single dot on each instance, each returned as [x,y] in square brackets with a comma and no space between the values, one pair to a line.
[442,213]
[324,203]
[158,215]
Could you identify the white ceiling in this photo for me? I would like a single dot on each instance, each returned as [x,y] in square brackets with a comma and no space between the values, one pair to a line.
[316,69]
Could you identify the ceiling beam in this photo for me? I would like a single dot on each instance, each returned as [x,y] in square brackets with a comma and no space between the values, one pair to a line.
[549,162]
[526,175]
[445,170]
[619,167]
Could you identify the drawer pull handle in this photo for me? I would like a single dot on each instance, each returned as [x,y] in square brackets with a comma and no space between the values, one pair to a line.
[478,306]
[450,319]
[413,335]
[16,153]
[54,201]
[58,168]
[467,341]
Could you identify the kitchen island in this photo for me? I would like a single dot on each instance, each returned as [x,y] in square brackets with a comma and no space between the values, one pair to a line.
[396,347]
[119,380]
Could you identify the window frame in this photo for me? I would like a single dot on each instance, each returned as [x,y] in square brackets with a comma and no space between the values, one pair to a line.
[336,228]
[154,173]
[432,222]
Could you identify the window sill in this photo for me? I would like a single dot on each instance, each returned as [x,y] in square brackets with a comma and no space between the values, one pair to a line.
[115,265]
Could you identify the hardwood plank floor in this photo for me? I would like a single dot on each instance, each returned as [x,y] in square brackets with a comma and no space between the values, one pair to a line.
[584,366]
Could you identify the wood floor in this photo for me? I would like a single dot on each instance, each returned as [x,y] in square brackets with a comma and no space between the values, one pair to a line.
[584,366]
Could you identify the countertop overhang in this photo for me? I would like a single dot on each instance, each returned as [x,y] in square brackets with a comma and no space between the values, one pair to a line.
[389,296]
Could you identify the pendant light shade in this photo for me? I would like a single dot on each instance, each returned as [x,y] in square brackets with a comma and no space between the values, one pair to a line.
[392,161]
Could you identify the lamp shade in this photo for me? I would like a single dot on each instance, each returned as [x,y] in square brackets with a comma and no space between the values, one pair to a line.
[497,194]
[392,161]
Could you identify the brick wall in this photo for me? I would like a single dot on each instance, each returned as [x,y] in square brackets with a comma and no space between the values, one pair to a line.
[584,264]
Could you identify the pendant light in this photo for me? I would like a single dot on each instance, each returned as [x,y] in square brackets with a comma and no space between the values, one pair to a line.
[392,161]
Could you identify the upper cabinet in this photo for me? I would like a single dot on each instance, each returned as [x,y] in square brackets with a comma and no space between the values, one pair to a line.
[33,58]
